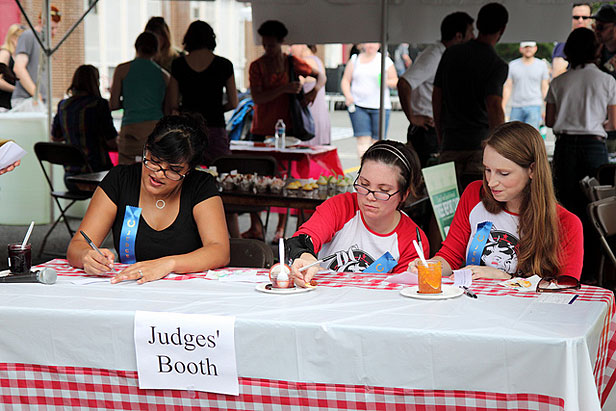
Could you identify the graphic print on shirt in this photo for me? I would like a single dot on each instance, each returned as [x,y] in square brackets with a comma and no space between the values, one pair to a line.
[352,260]
[501,251]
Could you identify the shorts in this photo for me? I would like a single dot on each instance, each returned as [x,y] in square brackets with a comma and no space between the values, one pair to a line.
[365,122]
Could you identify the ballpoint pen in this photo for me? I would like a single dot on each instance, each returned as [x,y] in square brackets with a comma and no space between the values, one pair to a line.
[418,238]
[91,244]
[468,292]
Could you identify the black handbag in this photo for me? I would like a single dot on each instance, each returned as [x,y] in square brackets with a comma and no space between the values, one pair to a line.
[303,123]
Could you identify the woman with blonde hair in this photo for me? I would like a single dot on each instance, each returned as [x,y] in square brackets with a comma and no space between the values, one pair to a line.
[166,51]
[510,224]
[7,51]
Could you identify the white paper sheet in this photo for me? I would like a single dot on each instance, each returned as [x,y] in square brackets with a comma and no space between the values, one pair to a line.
[10,152]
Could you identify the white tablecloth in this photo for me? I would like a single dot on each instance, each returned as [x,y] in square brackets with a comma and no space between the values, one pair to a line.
[330,335]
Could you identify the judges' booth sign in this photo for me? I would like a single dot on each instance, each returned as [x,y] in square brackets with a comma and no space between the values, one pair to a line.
[443,191]
[186,352]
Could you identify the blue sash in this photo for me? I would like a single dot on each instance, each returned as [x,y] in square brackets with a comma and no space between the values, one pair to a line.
[129,234]
[479,243]
[383,264]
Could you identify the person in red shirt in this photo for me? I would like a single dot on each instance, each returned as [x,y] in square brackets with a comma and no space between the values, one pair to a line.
[366,228]
[270,87]
[510,224]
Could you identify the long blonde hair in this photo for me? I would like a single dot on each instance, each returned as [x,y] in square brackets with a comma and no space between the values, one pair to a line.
[14,31]
[538,248]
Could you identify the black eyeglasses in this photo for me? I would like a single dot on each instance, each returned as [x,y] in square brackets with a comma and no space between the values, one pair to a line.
[168,172]
[379,195]
[581,17]
[558,283]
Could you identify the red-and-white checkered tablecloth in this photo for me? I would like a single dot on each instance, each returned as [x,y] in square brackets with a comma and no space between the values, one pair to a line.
[75,387]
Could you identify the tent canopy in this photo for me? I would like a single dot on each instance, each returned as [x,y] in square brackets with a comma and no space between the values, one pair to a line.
[416,21]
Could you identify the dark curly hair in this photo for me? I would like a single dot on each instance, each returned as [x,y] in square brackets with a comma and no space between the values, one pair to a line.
[199,35]
[397,154]
[178,139]
[273,28]
[581,47]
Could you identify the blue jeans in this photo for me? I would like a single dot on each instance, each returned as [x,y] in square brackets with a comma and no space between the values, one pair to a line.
[527,114]
[365,122]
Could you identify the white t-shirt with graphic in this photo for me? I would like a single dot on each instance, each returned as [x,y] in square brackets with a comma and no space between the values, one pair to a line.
[337,227]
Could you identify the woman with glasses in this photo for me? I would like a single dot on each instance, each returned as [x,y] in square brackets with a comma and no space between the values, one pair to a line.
[510,224]
[365,230]
[164,216]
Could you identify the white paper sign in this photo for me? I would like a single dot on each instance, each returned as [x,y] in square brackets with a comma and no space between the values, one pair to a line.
[186,352]
[462,278]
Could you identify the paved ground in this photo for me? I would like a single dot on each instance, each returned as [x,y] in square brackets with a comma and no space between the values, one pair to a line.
[58,240]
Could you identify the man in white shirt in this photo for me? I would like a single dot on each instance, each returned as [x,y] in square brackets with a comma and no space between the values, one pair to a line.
[415,85]
[526,85]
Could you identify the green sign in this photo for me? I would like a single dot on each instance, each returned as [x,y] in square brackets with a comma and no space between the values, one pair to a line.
[443,191]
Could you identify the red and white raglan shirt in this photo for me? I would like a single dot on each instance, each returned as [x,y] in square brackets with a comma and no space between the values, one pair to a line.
[338,227]
[501,248]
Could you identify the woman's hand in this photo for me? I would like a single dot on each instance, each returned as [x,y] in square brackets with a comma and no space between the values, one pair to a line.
[96,264]
[310,96]
[480,271]
[412,268]
[348,101]
[303,278]
[145,271]
[293,87]
[10,167]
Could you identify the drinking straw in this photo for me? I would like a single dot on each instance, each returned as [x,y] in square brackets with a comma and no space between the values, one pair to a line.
[281,250]
[27,237]
[420,253]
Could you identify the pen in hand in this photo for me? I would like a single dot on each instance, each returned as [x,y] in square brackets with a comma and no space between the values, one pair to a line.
[94,247]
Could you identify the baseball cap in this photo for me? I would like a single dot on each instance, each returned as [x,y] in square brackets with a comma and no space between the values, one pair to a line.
[528,44]
[606,14]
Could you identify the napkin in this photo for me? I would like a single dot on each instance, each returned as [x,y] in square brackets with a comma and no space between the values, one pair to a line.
[403,278]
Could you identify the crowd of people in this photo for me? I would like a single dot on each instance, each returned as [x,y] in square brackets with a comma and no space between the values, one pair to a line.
[526,221]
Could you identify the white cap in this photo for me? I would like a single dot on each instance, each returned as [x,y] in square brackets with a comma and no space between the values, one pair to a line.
[528,44]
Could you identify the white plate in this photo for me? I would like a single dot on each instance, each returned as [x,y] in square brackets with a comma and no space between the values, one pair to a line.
[282,291]
[447,291]
[288,141]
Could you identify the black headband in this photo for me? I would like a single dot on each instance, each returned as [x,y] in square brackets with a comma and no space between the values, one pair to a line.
[394,151]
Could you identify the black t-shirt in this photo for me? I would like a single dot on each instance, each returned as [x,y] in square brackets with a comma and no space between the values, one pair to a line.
[467,74]
[202,91]
[122,185]
[5,96]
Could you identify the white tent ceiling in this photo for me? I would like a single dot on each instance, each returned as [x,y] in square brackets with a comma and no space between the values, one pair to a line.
[416,21]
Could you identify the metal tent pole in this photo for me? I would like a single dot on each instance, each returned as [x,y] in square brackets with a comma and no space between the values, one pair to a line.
[384,89]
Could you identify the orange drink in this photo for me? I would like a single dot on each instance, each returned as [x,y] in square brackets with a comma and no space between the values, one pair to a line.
[429,278]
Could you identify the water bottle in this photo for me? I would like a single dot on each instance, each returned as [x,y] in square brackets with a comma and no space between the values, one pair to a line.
[280,133]
[351,108]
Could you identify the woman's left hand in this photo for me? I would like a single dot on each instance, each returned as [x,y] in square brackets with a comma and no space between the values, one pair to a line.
[144,271]
[310,96]
[480,271]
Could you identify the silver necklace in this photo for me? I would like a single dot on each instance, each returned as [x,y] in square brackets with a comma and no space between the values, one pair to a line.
[160,204]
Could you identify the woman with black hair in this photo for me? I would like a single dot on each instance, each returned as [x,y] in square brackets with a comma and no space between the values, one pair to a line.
[84,120]
[198,81]
[165,216]
[357,229]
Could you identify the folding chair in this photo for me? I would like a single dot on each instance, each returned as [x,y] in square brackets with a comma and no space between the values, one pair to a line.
[64,155]
[250,253]
[261,165]
[603,216]
[593,191]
